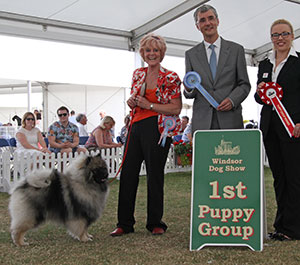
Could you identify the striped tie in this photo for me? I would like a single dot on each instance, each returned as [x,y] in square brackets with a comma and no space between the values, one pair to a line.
[213,61]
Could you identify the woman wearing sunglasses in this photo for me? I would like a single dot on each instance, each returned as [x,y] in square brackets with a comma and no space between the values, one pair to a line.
[283,67]
[29,137]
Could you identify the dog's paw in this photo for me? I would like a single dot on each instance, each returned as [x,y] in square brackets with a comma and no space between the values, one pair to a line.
[86,237]
[21,244]
[72,235]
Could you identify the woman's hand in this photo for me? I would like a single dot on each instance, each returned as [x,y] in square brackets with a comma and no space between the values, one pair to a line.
[119,144]
[143,102]
[131,102]
[45,150]
[296,131]
[259,86]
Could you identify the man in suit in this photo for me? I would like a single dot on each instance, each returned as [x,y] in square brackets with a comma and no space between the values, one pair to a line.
[224,75]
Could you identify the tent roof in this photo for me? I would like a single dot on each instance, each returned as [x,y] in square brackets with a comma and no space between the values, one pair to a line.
[120,24]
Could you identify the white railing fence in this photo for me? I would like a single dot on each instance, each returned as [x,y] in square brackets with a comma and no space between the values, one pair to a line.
[8,132]
[14,167]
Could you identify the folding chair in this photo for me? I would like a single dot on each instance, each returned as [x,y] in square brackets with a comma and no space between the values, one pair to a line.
[83,139]
[46,141]
[13,142]
[4,145]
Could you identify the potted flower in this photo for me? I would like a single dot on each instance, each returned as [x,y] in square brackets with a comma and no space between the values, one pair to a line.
[183,152]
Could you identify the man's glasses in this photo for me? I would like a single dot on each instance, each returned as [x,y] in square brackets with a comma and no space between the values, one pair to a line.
[63,114]
[30,119]
[284,35]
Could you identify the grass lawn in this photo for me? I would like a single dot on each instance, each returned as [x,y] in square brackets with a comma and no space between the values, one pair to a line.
[50,244]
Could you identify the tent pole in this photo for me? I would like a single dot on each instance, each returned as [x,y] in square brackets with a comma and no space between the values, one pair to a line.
[45,106]
[28,95]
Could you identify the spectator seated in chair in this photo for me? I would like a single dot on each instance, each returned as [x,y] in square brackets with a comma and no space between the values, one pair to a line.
[81,122]
[63,135]
[100,137]
[29,138]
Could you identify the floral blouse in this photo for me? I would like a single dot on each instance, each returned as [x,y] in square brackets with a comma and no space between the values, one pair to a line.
[167,88]
[91,142]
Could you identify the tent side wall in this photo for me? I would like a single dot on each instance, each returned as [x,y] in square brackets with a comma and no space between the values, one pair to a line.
[89,100]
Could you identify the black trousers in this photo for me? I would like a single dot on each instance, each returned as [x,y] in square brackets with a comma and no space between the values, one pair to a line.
[143,145]
[284,161]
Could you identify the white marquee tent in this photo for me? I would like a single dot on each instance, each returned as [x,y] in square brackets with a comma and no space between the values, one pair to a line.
[119,24]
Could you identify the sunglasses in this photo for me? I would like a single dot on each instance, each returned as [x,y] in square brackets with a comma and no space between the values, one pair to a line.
[63,114]
[30,119]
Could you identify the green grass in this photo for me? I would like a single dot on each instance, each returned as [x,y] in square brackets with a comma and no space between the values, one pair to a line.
[50,244]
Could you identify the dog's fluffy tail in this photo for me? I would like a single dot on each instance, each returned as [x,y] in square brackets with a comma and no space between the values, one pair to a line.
[37,179]
[41,178]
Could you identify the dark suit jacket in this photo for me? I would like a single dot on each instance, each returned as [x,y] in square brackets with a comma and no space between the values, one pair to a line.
[289,80]
[231,81]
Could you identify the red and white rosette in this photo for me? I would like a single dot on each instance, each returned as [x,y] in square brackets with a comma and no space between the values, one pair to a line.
[271,93]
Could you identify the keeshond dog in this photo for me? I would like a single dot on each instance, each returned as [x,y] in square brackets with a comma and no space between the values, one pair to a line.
[74,199]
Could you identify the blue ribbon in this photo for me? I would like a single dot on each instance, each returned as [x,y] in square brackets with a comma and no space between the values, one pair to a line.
[193,80]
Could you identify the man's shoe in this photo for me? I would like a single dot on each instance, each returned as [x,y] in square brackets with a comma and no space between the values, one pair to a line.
[118,232]
[157,231]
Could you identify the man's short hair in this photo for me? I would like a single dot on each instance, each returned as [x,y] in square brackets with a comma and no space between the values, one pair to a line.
[203,9]
[79,117]
[185,117]
[62,108]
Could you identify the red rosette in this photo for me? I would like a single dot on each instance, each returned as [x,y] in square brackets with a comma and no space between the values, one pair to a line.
[271,94]
[269,91]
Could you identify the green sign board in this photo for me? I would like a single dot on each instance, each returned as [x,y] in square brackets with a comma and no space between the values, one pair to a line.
[227,189]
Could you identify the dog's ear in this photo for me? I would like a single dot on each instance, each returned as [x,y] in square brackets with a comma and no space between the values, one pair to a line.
[88,160]
[55,173]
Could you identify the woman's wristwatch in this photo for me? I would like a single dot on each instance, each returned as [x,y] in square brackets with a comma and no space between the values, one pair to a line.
[151,106]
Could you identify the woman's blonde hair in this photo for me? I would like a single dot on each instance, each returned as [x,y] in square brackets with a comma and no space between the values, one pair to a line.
[25,116]
[282,21]
[107,119]
[152,40]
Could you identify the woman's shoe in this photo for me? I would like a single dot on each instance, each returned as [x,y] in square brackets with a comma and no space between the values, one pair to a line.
[283,237]
[279,236]
[157,231]
[118,232]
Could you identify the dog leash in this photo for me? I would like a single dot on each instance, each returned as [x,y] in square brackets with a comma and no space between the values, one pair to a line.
[142,93]
[126,147]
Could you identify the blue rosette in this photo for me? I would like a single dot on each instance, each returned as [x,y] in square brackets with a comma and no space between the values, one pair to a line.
[169,124]
[192,80]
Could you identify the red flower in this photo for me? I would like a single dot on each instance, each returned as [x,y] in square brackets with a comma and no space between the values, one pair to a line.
[180,141]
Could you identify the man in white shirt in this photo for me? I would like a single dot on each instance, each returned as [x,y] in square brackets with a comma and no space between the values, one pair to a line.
[72,117]
[81,122]
[221,65]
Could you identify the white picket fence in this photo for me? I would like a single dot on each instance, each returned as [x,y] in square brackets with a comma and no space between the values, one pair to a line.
[14,167]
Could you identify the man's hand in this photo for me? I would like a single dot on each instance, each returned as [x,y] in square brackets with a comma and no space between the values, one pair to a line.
[225,105]
[66,145]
